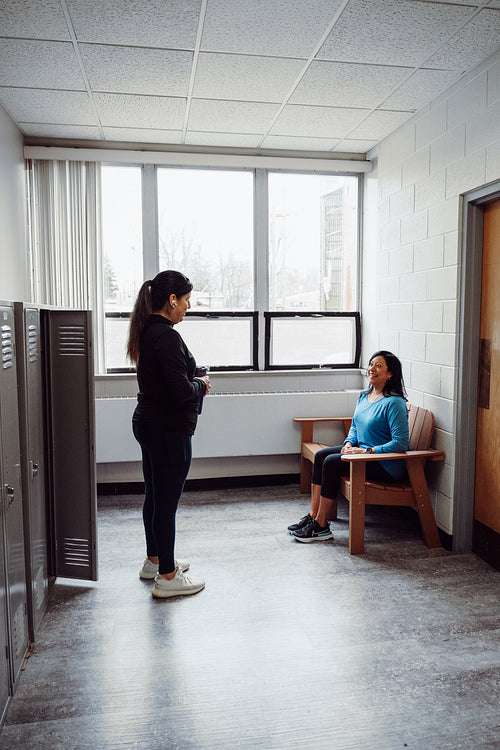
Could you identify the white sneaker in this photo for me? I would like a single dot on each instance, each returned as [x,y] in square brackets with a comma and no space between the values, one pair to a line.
[180,585]
[150,569]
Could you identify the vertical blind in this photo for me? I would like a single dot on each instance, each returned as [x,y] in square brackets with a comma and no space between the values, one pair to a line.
[65,237]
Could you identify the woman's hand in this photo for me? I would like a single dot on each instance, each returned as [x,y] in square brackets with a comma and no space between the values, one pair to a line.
[348,448]
[206,380]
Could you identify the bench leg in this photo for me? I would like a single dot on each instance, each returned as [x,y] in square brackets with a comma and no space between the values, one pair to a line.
[424,505]
[305,475]
[357,508]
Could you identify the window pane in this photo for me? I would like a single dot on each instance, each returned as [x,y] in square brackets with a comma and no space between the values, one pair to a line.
[205,220]
[122,253]
[116,332]
[313,229]
[219,342]
[312,341]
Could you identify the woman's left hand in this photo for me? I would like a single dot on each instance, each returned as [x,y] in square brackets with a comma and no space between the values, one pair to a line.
[355,449]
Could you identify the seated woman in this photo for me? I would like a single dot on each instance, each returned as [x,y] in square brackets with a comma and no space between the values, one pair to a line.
[379,425]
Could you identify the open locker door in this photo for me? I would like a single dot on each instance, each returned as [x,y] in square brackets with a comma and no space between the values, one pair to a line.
[71,443]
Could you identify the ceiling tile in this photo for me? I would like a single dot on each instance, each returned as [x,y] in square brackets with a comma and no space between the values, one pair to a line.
[154,23]
[349,145]
[132,70]
[142,135]
[236,140]
[379,124]
[317,122]
[31,19]
[36,64]
[231,117]
[245,77]
[281,27]
[478,40]
[347,84]
[301,144]
[58,107]
[79,132]
[391,32]
[420,89]
[127,110]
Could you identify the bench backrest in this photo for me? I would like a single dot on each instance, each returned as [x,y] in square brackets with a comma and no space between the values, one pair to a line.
[421,426]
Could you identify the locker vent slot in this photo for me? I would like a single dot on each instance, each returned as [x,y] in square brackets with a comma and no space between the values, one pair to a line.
[33,350]
[72,341]
[7,350]
[19,632]
[77,552]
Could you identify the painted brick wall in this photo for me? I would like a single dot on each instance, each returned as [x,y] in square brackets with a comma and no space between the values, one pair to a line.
[411,257]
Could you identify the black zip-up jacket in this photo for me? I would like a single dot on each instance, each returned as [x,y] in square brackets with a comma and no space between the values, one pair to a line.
[168,390]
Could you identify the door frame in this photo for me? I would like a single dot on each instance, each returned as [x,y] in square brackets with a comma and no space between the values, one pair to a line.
[472,211]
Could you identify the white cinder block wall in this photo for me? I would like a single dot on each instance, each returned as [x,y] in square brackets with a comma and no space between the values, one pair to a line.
[412,246]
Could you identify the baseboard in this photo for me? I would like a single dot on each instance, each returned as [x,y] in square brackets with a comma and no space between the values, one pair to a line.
[486,544]
[215,483]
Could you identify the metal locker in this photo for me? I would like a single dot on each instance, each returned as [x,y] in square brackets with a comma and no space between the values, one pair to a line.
[32,437]
[12,506]
[71,441]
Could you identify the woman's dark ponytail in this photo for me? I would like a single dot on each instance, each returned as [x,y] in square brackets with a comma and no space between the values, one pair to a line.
[141,312]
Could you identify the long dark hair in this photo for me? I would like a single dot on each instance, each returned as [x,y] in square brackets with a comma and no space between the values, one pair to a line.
[153,296]
[395,384]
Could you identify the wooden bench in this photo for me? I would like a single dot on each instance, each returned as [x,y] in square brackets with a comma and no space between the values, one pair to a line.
[361,492]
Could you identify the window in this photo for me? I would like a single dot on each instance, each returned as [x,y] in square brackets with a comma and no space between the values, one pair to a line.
[313,242]
[122,256]
[289,289]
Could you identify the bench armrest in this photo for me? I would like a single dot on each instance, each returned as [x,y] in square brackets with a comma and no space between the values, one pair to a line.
[430,455]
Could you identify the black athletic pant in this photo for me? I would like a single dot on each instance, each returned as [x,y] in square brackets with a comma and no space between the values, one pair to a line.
[329,468]
[166,458]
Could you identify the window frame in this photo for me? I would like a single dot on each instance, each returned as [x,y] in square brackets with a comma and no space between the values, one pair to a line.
[269,316]
[261,316]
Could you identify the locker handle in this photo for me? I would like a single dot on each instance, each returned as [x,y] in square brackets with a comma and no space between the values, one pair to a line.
[10,494]
[34,469]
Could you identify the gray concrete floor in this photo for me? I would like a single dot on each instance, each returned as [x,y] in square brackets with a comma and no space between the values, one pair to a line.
[288,646]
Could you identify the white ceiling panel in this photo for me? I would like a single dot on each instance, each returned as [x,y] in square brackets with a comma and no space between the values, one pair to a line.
[142,135]
[392,32]
[35,64]
[261,27]
[420,88]
[133,70]
[155,23]
[475,42]
[349,145]
[301,144]
[347,84]
[379,124]
[57,107]
[318,75]
[231,117]
[79,132]
[317,122]
[257,79]
[236,140]
[31,19]
[162,113]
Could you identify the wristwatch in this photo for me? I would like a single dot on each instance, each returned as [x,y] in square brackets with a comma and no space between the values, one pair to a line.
[368,450]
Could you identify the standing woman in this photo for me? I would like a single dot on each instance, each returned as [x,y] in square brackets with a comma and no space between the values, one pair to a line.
[164,422]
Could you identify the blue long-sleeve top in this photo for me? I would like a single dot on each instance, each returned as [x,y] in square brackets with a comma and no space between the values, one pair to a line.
[383,426]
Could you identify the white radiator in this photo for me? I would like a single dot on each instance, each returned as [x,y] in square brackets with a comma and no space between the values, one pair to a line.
[233,424]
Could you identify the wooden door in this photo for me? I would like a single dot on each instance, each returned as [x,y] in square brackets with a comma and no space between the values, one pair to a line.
[486,540]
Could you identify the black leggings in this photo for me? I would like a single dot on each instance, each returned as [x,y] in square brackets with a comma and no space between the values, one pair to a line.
[166,458]
[329,468]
